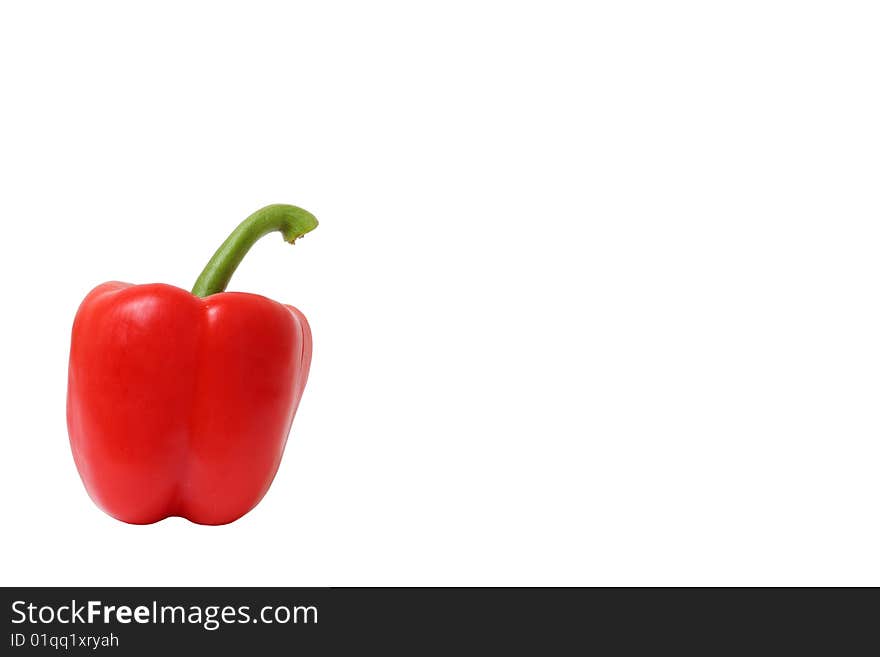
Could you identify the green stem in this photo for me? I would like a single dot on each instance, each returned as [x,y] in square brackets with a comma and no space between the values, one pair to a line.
[291,221]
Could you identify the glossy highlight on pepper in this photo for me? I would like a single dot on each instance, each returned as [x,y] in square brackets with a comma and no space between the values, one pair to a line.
[179,403]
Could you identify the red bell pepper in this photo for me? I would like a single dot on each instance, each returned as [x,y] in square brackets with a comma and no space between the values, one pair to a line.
[180,404]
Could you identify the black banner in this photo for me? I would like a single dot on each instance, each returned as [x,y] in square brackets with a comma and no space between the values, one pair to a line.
[147,621]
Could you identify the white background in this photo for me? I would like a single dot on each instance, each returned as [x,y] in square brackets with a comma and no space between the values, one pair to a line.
[594,293]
